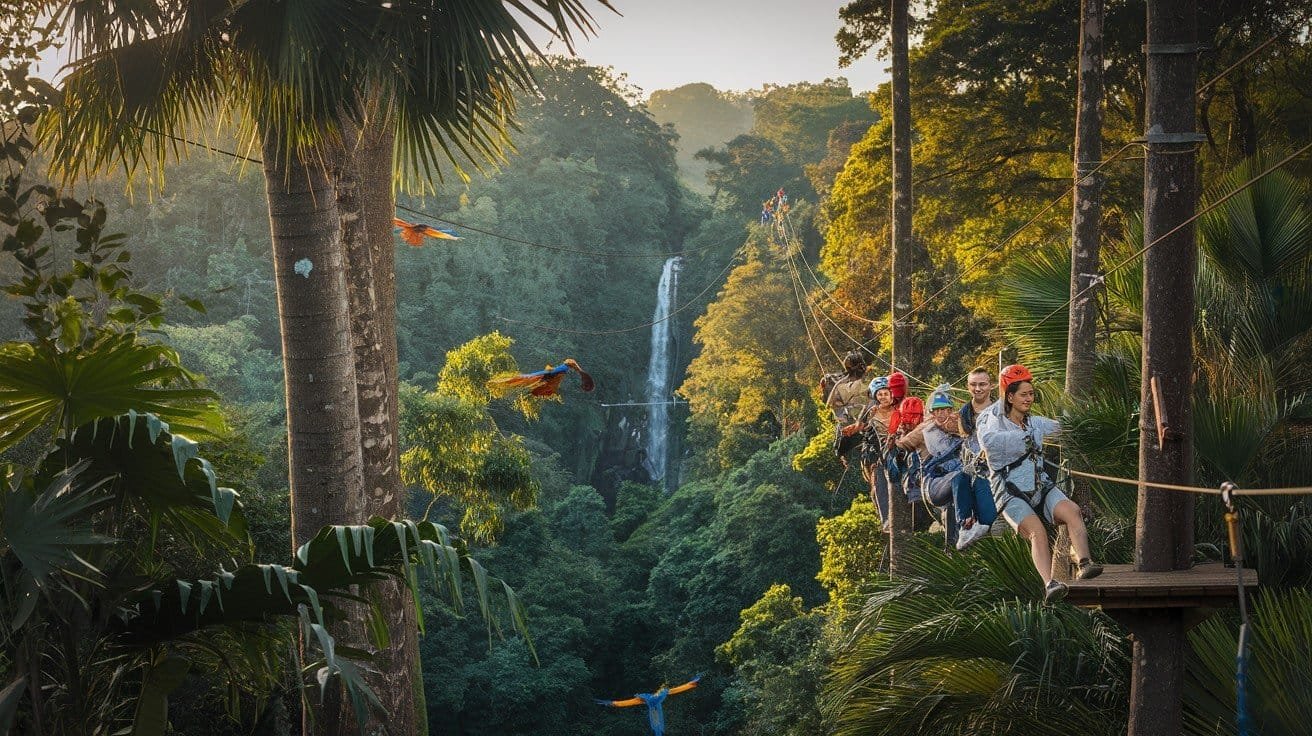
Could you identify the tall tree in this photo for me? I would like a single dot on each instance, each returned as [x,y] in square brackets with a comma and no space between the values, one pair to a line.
[1086,232]
[901,232]
[1164,533]
[305,81]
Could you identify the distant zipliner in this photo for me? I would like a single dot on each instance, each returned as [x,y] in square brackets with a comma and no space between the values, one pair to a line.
[414,233]
[654,702]
[543,384]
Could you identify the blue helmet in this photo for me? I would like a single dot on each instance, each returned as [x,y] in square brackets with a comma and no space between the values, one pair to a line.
[941,398]
[878,383]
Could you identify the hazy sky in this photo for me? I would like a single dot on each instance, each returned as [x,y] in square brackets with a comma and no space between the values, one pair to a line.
[732,44]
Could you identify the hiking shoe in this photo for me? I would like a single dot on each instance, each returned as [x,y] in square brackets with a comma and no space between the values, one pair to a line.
[1055,591]
[1088,569]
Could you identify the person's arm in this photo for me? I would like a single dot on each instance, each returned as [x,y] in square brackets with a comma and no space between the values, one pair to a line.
[1045,427]
[1000,439]
[915,439]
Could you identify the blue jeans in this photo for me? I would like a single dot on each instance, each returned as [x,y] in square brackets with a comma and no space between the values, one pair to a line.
[973,498]
[880,492]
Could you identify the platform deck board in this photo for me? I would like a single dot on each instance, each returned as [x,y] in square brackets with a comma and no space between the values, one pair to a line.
[1121,586]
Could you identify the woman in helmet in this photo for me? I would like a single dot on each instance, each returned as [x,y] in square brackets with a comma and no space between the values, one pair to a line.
[874,438]
[1012,437]
[847,399]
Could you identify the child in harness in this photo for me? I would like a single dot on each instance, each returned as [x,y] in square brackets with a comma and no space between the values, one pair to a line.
[1012,438]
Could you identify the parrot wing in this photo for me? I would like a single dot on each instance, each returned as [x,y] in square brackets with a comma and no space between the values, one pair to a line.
[504,384]
[621,703]
[439,234]
[584,377]
[685,687]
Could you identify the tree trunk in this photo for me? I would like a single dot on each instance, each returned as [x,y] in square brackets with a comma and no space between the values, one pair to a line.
[367,187]
[323,429]
[1164,531]
[1086,221]
[901,247]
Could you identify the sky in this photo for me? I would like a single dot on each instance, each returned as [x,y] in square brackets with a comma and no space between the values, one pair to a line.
[731,44]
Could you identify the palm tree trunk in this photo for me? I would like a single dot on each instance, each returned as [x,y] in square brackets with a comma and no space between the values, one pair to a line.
[1164,527]
[323,428]
[364,198]
[1086,221]
[899,511]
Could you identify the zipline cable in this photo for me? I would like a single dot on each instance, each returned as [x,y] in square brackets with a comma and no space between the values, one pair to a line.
[471,228]
[1127,261]
[1292,491]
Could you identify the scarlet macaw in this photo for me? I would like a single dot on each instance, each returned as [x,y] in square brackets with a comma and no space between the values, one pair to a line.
[543,384]
[414,233]
[654,702]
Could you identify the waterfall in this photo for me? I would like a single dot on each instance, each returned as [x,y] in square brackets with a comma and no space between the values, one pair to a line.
[659,371]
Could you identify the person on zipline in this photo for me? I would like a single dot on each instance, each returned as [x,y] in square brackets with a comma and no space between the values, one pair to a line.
[847,399]
[903,464]
[874,438]
[938,441]
[971,494]
[1012,438]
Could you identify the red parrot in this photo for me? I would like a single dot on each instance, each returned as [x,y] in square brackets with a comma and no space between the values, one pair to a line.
[543,384]
[414,233]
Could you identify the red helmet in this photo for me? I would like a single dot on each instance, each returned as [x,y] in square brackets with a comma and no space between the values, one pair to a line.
[897,385]
[911,412]
[1010,375]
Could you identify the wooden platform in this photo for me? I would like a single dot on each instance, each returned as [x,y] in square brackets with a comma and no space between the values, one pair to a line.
[1209,585]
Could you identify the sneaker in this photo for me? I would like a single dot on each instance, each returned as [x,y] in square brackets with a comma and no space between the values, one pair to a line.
[967,537]
[1055,591]
[1088,569]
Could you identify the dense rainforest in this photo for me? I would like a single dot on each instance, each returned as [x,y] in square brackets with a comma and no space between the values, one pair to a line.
[757,562]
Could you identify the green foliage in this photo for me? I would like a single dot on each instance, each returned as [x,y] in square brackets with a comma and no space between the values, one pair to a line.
[777,668]
[751,382]
[968,634]
[1279,637]
[703,117]
[851,549]
[452,448]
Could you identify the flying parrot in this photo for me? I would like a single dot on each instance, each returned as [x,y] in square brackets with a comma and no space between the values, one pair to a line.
[414,233]
[654,702]
[542,384]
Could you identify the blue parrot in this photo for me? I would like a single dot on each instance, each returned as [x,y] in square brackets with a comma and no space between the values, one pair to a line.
[654,702]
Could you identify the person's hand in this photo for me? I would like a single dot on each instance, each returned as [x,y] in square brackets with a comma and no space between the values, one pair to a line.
[952,424]
[852,429]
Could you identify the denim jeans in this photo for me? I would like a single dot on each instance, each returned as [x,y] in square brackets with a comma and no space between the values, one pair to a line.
[973,497]
[881,492]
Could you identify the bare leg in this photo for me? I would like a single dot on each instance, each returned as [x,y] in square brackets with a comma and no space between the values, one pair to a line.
[1068,513]
[1032,529]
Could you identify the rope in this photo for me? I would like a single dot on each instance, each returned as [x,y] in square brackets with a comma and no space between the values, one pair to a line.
[1293,491]
[1242,59]
[798,291]
[1235,531]
[685,305]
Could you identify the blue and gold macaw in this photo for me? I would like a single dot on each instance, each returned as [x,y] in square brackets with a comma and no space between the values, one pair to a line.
[414,233]
[542,384]
[654,702]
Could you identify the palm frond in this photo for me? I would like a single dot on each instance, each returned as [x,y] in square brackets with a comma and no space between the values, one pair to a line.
[43,385]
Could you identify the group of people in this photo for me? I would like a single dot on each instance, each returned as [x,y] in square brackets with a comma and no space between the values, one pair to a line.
[969,463]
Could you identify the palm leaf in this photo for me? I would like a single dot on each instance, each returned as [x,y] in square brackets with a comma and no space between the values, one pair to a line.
[42,385]
[159,473]
[1281,644]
